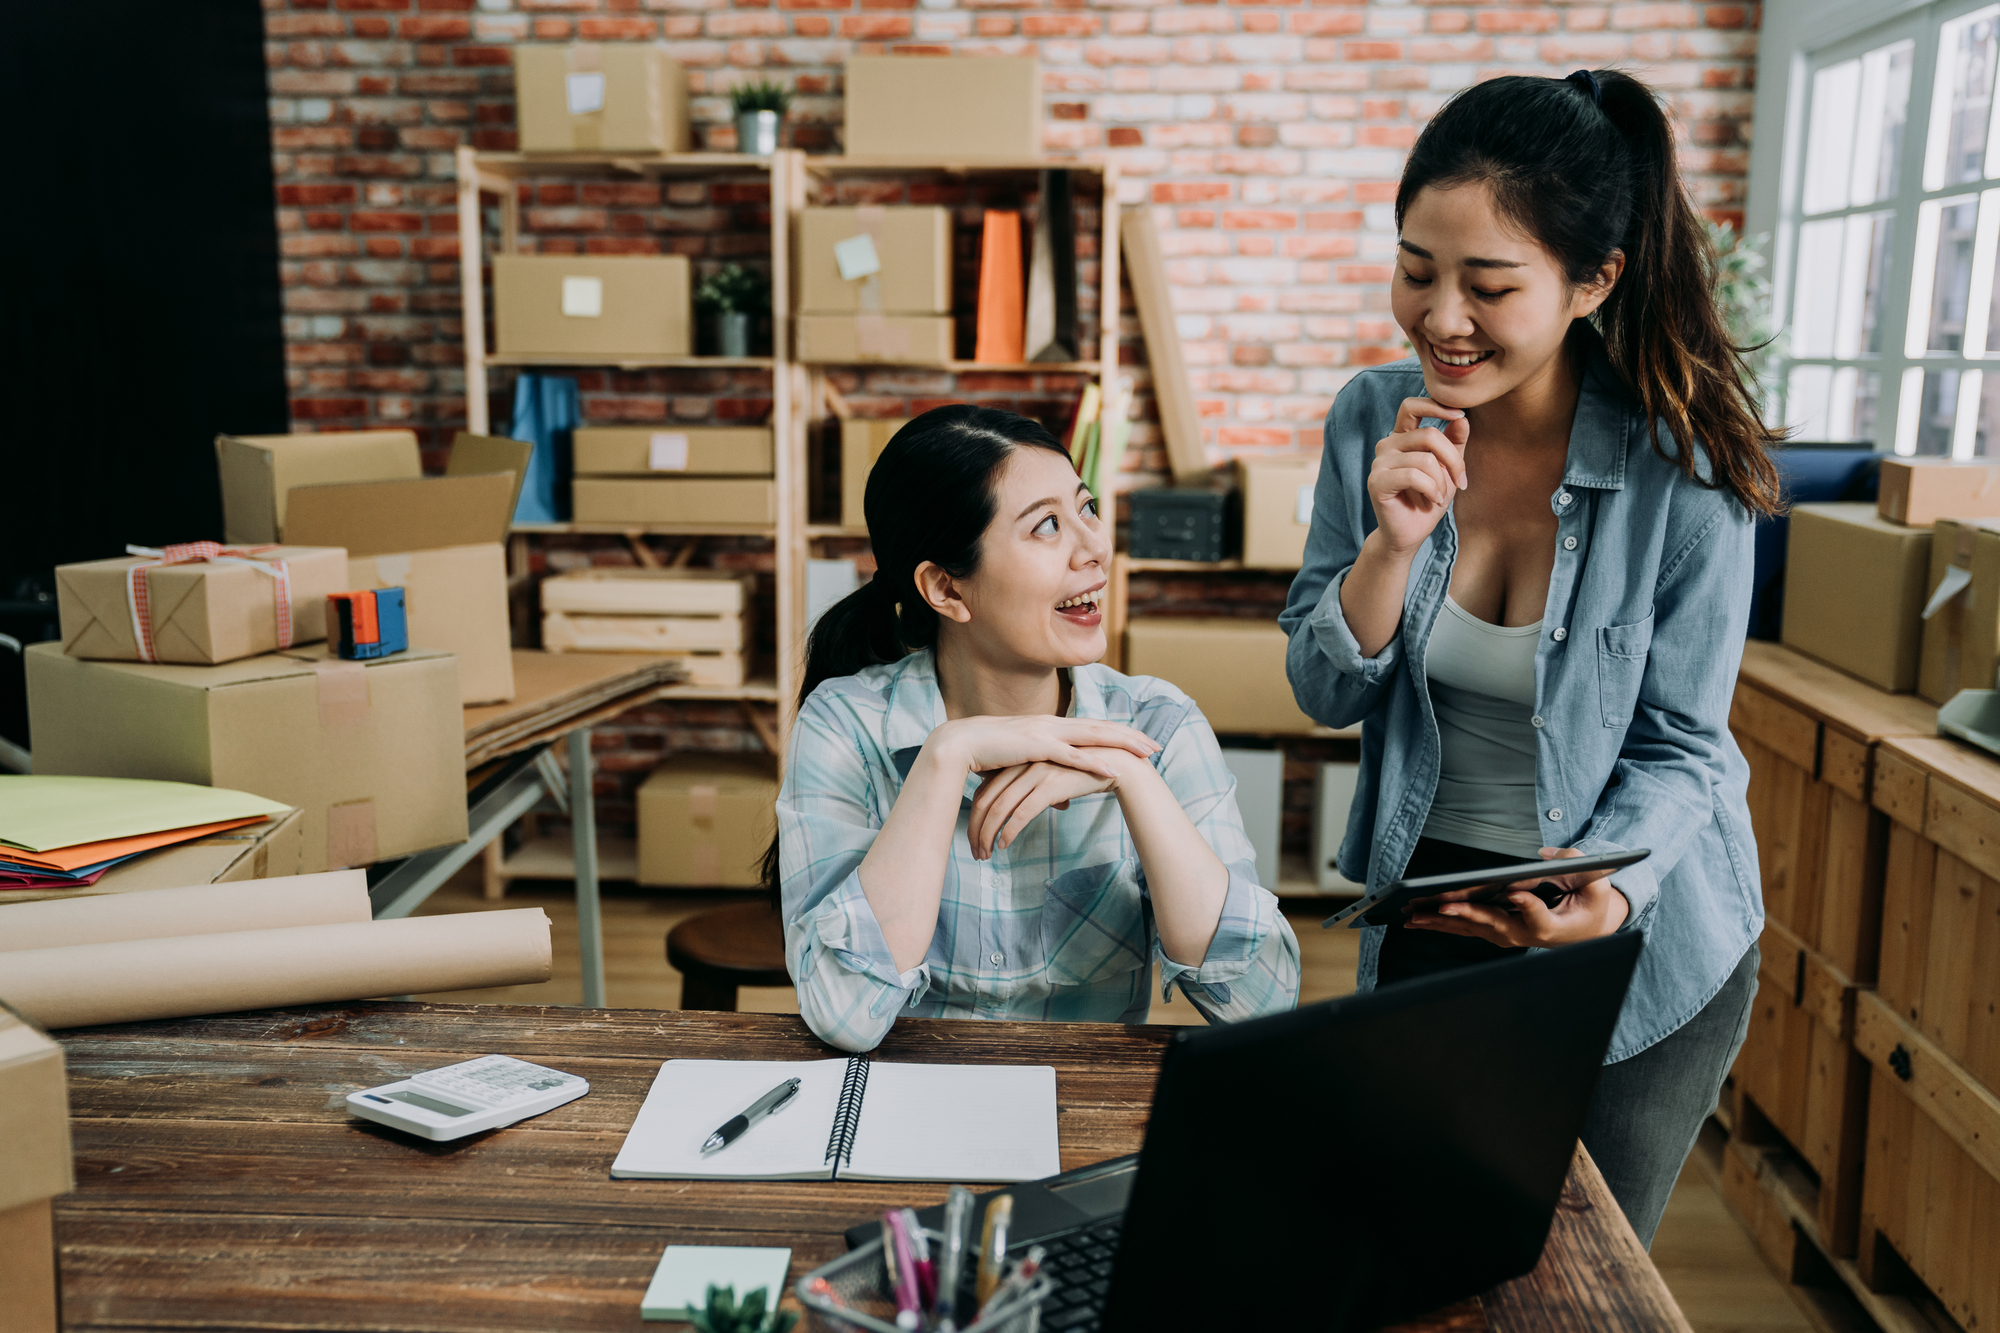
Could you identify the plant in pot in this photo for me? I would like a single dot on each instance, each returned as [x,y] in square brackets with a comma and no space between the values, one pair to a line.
[760,113]
[729,303]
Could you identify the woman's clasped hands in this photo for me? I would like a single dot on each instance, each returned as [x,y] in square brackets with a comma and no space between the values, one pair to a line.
[1032,764]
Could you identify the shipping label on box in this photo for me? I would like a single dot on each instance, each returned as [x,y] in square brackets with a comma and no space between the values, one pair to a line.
[1920,491]
[1854,592]
[952,108]
[592,306]
[1961,613]
[861,339]
[705,820]
[587,98]
[243,602]
[454,601]
[1233,669]
[906,269]
[861,443]
[691,500]
[638,451]
[371,753]
[257,472]
[1277,508]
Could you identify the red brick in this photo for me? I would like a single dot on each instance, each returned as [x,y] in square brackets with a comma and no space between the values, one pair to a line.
[435,29]
[1322,24]
[1190,192]
[1515,20]
[316,194]
[316,409]
[1060,25]
[361,220]
[1255,218]
[1372,50]
[1124,137]
[617,30]
[463,56]
[874,27]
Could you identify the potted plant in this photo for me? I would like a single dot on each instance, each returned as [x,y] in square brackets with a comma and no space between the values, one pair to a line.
[760,111]
[723,1314]
[728,303]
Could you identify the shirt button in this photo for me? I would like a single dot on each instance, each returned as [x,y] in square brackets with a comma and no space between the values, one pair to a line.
[1562,497]
[1569,543]
[1536,720]
[1556,816]
[1561,634]
[999,958]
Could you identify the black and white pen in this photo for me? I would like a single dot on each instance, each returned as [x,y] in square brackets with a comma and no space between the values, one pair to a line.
[733,1128]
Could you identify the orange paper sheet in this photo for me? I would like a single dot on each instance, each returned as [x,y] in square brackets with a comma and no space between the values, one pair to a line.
[91,853]
[1002,330]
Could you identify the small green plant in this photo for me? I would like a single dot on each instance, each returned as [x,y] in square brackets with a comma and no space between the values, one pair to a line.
[733,290]
[724,1315]
[1743,295]
[760,96]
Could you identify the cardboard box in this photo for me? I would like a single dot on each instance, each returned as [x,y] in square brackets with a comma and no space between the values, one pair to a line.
[205,612]
[454,601]
[439,539]
[28,1269]
[1961,641]
[34,1115]
[587,98]
[1234,669]
[693,500]
[1920,491]
[954,108]
[1854,591]
[638,451]
[860,339]
[705,820]
[257,472]
[371,753]
[908,250]
[1277,508]
[269,850]
[861,443]
[472,455]
[592,306]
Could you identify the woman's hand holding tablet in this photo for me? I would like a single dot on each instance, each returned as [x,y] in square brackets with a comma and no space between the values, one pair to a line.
[1585,906]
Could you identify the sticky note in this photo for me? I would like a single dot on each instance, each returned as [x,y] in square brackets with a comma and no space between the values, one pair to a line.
[856,257]
[669,452]
[585,93]
[680,1284]
[583,297]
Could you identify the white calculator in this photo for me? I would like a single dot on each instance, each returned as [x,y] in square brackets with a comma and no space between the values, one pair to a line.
[464,1098]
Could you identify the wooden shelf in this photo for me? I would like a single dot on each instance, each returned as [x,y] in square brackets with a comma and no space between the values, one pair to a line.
[833,165]
[519,165]
[550,856]
[1138,564]
[832,530]
[970,367]
[654,529]
[761,689]
[635,362]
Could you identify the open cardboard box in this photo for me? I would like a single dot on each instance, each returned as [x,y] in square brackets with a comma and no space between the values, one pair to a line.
[440,540]
[258,472]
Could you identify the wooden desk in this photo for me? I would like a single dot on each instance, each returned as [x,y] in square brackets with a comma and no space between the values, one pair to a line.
[221,1182]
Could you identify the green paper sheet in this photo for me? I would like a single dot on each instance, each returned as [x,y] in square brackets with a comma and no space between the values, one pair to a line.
[680,1284]
[41,814]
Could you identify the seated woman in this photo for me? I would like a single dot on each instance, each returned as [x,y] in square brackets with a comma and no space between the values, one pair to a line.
[976,820]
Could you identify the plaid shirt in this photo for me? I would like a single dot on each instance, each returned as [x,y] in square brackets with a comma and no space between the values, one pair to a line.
[1056,927]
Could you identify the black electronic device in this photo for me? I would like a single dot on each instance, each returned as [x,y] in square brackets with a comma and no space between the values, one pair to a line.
[1192,521]
[1244,1209]
[1392,902]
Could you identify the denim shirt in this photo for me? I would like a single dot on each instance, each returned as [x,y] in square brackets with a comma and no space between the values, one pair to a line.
[1642,635]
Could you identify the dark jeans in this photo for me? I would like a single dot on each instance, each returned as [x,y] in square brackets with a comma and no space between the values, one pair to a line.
[1648,1108]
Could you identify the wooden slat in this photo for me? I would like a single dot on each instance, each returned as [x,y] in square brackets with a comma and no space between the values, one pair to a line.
[1790,733]
[1938,1086]
[1844,762]
[1853,864]
[1949,960]
[1860,710]
[1899,788]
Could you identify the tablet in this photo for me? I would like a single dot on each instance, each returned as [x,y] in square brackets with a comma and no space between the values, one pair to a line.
[1393,902]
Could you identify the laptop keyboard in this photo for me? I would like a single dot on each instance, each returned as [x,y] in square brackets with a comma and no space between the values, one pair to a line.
[1079,1264]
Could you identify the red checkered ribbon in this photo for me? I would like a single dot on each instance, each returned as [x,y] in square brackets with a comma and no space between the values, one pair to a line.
[138,595]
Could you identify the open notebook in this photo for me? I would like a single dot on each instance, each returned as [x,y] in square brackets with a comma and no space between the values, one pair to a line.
[854,1119]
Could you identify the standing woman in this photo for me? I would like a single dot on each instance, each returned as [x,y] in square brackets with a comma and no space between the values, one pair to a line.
[1543,662]
[977,819]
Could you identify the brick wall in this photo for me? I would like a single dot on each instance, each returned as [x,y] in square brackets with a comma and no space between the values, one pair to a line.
[1270,135]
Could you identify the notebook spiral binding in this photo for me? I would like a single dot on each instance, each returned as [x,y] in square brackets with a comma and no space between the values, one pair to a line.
[847,1116]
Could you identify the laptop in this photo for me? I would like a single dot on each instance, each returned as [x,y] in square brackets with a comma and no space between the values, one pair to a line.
[1348,1164]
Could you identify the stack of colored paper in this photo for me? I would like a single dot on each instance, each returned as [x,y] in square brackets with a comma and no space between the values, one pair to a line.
[63,832]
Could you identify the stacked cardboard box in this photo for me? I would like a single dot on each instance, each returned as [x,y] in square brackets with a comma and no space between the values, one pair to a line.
[593,307]
[586,98]
[35,1166]
[874,284]
[674,474]
[705,820]
[958,108]
[861,443]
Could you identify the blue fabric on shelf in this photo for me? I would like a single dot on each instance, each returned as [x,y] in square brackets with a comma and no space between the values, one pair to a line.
[546,410]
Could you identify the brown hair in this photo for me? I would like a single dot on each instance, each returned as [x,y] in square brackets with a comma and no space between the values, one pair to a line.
[1586,165]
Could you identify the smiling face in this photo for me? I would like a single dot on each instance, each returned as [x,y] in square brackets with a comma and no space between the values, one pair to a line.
[1043,561]
[1486,307]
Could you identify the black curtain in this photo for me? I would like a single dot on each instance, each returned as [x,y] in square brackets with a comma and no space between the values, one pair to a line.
[139,293]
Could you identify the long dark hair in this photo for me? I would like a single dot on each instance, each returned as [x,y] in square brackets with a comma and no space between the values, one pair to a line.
[930,499]
[1586,165]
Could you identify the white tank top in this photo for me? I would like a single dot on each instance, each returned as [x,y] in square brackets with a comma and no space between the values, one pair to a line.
[1482,685]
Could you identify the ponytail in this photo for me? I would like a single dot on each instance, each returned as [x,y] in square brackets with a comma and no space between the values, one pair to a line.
[930,500]
[1587,166]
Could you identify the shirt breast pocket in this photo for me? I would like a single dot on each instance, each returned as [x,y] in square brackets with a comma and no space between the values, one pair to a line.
[1093,925]
[1621,667]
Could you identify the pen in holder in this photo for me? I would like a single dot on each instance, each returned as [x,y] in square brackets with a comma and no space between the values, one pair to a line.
[852,1295]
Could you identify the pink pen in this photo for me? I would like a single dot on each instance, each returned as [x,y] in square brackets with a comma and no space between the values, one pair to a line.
[904,1269]
[920,1255]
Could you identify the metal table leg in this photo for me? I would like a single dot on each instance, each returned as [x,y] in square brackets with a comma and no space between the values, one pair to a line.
[583,841]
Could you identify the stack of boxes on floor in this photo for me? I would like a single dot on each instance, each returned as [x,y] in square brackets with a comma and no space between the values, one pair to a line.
[1864,1123]
[35,1166]
[215,670]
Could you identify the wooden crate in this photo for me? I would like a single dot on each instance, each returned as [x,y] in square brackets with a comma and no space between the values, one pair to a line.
[700,616]
[568,632]
[655,592]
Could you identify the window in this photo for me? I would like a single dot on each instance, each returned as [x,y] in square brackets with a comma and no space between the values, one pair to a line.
[1892,237]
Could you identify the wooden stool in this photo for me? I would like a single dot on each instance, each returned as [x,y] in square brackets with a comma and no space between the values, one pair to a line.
[725,948]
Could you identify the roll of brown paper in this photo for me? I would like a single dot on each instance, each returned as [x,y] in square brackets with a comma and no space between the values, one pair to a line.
[130,981]
[203,909]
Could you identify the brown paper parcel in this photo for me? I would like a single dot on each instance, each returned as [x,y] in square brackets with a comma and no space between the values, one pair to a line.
[132,981]
[200,909]
[202,613]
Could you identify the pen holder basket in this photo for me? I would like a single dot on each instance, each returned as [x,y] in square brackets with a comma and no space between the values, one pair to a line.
[867,1302]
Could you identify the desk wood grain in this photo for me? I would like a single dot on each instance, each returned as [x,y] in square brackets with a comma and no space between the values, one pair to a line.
[222,1184]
